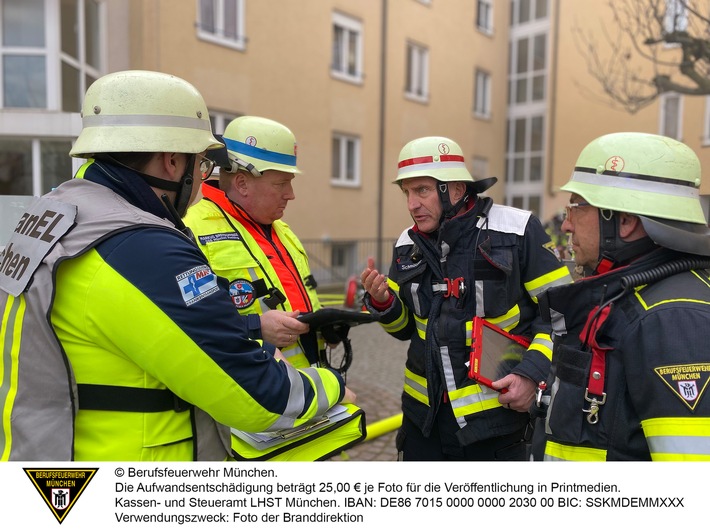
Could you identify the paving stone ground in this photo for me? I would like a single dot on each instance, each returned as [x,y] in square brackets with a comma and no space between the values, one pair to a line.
[376,376]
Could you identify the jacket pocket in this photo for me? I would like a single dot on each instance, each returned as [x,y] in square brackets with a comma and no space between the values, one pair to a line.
[565,416]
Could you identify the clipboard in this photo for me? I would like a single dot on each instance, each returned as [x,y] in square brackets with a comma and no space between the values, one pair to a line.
[494,353]
[266,440]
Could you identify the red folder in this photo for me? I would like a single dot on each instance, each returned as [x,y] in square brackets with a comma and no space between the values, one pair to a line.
[494,352]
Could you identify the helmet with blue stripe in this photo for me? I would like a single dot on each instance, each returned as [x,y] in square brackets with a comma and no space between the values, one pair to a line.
[260,144]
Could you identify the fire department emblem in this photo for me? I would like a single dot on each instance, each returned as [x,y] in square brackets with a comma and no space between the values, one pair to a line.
[444,148]
[687,381]
[60,488]
[251,141]
[614,164]
[242,293]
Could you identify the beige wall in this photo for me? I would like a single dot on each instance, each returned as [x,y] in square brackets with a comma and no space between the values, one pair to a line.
[284,74]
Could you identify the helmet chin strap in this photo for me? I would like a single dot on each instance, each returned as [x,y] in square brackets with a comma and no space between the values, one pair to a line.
[613,251]
[182,188]
[449,210]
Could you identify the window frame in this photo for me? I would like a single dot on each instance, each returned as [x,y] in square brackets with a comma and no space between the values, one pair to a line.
[485,25]
[664,119]
[54,57]
[417,72]
[341,179]
[217,37]
[350,26]
[482,100]
[706,124]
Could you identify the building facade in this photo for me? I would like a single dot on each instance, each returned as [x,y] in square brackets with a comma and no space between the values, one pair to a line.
[354,79]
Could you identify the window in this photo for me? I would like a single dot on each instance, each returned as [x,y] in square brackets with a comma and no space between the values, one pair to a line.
[676,17]
[482,96]
[343,259]
[345,160]
[529,76]
[417,72]
[671,110]
[33,167]
[525,158]
[220,121]
[45,64]
[222,22]
[347,48]
[484,16]
[50,52]
[527,11]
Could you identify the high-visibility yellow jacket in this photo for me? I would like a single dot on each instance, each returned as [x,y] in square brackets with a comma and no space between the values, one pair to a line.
[124,345]
[256,260]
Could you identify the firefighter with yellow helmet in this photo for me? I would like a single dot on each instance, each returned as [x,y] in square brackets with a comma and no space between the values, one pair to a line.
[464,257]
[239,228]
[630,358]
[124,343]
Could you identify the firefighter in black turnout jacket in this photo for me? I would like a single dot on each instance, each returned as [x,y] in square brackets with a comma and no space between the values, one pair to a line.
[631,365]
[464,257]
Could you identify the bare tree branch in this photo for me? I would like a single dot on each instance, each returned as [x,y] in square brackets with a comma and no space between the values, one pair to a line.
[659,46]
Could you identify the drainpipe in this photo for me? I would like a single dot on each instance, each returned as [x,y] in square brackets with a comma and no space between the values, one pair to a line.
[555,34]
[381,177]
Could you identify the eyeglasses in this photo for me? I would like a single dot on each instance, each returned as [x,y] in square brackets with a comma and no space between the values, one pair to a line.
[206,167]
[570,206]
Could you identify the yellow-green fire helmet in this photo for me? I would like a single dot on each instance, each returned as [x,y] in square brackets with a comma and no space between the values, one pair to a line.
[260,144]
[142,111]
[437,157]
[640,173]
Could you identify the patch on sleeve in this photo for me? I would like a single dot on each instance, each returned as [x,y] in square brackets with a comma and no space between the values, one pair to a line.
[687,381]
[197,284]
[552,248]
[242,293]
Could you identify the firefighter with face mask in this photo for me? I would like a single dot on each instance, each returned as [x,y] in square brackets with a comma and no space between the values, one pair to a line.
[630,360]
[463,257]
[122,342]
[238,226]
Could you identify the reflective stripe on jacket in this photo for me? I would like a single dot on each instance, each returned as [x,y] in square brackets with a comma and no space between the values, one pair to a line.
[656,370]
[136,306]
[229,241]
[499,260]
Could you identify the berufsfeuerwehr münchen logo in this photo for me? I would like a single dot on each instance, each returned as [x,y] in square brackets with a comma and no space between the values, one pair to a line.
[60,488]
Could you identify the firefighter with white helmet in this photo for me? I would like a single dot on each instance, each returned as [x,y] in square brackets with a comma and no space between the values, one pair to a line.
[113,312]
[464,257]
[630,341]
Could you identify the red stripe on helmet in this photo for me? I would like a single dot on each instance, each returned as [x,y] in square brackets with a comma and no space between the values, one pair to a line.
[445,158]
[430,159]
[415,160]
